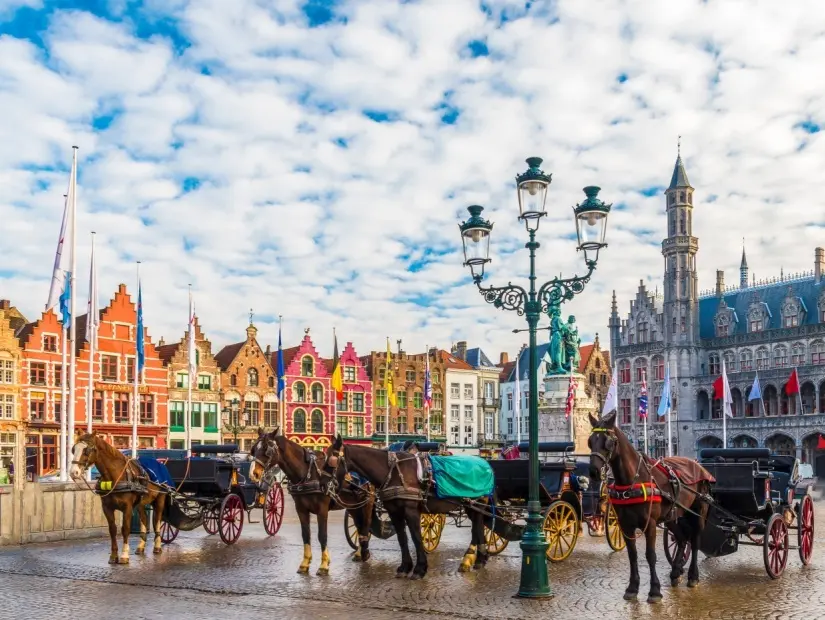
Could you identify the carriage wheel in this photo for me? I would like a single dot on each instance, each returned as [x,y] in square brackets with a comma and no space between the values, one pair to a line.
[805,529]
[775,550]
[351,530]
[210,520]
[671,546]
[495,543]
[561,528]
[231,518]
[168,532]
[613,531]
[431,528]
[274,509]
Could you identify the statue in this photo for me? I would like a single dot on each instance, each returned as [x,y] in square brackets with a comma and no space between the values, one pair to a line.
[556,364]
[572,342]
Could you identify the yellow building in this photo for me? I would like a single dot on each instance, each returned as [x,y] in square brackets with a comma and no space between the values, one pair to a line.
[11,426]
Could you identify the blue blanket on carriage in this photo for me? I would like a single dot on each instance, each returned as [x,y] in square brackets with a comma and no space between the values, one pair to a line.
[462,476]
[157,471]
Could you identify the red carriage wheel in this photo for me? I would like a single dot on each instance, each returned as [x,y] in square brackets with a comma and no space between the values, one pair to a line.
[274,509]
[672,546]
[210,519]
[805,529]
[775,549]
[168,532]
[231,518]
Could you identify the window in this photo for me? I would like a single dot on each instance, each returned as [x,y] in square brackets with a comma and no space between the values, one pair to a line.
[7,406]
[252,412]
[122,408]
[108,367]
[342,426]
[270,381]
[97,412]
[418,425]
[604,380]
[410,375]
[509,401]
[358,402]
[641,369]
[37,373]
[182,380]
[358,427]
[642,328]
[195,420]
[299,392]
[722,329]
[341,405]
[437,378]
[252,377]
[7,371]
[317,393]
[455,412]
[418,400]
[299,421]
[58,375]
[624,407]
[204,382]
[270,414]
[130,369]
[210,417]
[756,325]
[761,359]
[438,401]
[713,364]
[381,398]
[468,391]
[401,425]
[592,378]
[780,356]
[455,390]
[745,360]
[656,401]
[147,409]
[307,366]
[468,412]
[468,434]
[382,373]
[380,424]
[818,353]
[177,411]
[509,426]
[37,410]
[489,390]
[798,354]
[349,374]
[401,399]
[58,406]
[317,421]
[624,371]
[658,368]
[791,318]
[233,380]
[50,343]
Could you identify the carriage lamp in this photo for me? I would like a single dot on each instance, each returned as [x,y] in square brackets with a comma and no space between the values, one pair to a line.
[532,302]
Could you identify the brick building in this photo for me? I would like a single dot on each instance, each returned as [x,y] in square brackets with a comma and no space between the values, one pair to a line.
[354,414]
[594,364]
[11,425]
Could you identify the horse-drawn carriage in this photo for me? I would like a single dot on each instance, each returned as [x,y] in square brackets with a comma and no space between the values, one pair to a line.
[215,492]
[757,499]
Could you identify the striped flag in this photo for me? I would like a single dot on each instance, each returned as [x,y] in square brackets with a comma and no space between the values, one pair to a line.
[428,384]
[193,352]
[643,398]
[337,378]
[388,384]
[571,396]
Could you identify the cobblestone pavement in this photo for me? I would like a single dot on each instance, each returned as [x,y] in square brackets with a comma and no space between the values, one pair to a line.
[198,576]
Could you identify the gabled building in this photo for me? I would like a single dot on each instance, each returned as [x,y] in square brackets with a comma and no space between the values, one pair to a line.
[205,419]
[11,422]
[248,392]
[354,413]
[487,390]
[461,404]
[594,365]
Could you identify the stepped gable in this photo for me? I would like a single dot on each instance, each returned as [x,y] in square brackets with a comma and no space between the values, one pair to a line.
[293,366]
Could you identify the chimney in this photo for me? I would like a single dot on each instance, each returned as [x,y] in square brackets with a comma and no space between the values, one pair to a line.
[819,264]
[5,304]
[720,282]
[461,349]
[503,358]
[268,350]
[160,344]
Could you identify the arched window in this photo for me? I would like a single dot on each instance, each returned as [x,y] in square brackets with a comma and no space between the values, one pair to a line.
[714,366]
[299,421]
[299,392]
[818,352]
[640,369]
[233,380]
[271,382]
[780,356]
[730,361]
[317,421]
[624,371]
[798,354]
[252,377]
[307,366]
[746,360]
[762,358]
[317,393]
[658,368]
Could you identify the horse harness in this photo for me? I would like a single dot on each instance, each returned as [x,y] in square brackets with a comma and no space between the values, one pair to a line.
[389,491]
[310,485]
[134,482]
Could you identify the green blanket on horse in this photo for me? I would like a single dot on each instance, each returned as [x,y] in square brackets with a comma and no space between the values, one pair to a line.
[462,476]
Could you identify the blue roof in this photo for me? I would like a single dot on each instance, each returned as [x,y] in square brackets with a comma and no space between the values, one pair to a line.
[478,359]
[807,290]
[524,363]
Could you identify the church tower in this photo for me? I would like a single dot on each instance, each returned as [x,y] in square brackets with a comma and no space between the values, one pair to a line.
[743,269]
[679,250]
[615,325]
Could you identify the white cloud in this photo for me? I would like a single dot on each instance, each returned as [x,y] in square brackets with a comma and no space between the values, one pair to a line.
[288,221]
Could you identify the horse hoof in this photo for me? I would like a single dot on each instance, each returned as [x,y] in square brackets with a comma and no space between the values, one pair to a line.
[465,568]
[113,559]
[322,571]
[365,557]
[303,570]
[157,550]
[140,551]
[692,583]
[654,598]
[675,582]
[123,560]
[631,596]
[416,576]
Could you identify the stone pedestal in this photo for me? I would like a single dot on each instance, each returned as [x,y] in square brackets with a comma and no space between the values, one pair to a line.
[552,424]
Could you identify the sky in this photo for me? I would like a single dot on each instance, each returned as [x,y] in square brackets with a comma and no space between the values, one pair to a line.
[312,159]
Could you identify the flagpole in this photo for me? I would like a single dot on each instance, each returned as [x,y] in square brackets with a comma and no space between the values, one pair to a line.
[281,388]
[386,389]
[518,400]
[64,401]
[647,447]
[335,398]
[426,372]
[136,407]
[572,405]
[91,336]
[187,423]
[70,412]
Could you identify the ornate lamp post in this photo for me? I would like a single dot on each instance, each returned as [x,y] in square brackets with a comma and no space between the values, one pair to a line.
[591,221]
[231,419]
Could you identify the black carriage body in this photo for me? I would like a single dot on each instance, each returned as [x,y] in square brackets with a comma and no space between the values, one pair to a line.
[202,478]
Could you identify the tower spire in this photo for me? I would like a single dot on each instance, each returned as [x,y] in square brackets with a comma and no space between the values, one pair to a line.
[743,268]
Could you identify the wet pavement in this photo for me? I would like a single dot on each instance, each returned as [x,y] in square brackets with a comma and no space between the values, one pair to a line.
[198,576]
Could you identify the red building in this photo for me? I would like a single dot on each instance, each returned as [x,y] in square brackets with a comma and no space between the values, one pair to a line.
[354,413]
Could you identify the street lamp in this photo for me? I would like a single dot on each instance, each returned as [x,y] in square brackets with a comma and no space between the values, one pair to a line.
[591,222]
[232,421]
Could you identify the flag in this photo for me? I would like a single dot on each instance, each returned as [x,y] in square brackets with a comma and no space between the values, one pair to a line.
[281,373]
[92,311]
[65,298]
[820,444]
[388,377]
[664,402]
[337,379]
[571,396]
[643,399]
[193,353]
[62,260]
[727,399]
[792,386]
[718,388]
[756,391]
[428,384]
[611,401]
[139,335]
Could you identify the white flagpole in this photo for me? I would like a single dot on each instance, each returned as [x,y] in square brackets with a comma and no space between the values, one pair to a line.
[64,401]
[281,391]
[647,447]
[187,423]
[136,408]
[69,410]
[387,414]
[669,417]
[91,336]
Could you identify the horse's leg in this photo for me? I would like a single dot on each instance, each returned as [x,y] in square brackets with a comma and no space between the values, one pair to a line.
[478,537]
[157,518]
[469,559]
[632,591]
[303,517]
[696,526]
[362,518]
[144,528]
[677,528]
[655,594]
[323,513]
[399,523]
[412,515]
[109,513]
[125,528]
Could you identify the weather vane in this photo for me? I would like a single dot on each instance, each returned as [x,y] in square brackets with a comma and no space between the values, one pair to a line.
[251,314]
[679,146]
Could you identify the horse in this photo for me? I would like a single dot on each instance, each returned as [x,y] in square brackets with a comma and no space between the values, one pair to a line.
[405,501]
[127,488]
[645,493]
[314,492]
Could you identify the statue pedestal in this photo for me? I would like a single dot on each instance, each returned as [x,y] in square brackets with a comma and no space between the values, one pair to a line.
[552,424]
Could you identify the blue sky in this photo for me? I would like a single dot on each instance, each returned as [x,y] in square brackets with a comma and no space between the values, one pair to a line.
[312,158]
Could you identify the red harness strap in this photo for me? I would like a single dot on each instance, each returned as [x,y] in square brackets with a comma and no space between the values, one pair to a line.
[639,493]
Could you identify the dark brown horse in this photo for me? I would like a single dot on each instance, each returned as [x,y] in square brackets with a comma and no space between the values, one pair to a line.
[646,493]
[122,486]
[313,492]
[395,475]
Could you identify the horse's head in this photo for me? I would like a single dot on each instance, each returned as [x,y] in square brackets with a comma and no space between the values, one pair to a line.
[265,455]
[335,462]
[603,444]
[84,455]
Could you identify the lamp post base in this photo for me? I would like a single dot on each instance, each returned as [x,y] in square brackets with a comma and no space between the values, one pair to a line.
[535,582]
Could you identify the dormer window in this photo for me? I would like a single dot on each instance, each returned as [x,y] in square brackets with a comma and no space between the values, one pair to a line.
[757,317]
[793,310]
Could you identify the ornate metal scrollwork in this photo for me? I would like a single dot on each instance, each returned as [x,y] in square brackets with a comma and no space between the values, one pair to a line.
[510,297]
[557,290]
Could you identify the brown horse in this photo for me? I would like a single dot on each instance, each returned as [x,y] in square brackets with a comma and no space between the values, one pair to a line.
[646,493]
[124,487]
[314,492]
[395,475]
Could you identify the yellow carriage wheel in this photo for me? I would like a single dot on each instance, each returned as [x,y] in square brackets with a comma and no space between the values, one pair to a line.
[431,528]
[561,529]
[495,543]
[613,531]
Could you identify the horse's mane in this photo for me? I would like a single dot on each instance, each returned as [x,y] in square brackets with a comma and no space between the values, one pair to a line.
[103,446]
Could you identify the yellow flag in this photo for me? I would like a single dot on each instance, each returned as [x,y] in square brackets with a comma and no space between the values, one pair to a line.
[388,377]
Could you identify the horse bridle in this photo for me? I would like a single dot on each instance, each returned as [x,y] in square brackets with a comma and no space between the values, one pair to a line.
[611,437]
[87,452]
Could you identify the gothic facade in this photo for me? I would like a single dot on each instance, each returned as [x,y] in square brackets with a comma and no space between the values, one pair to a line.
[767,328]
